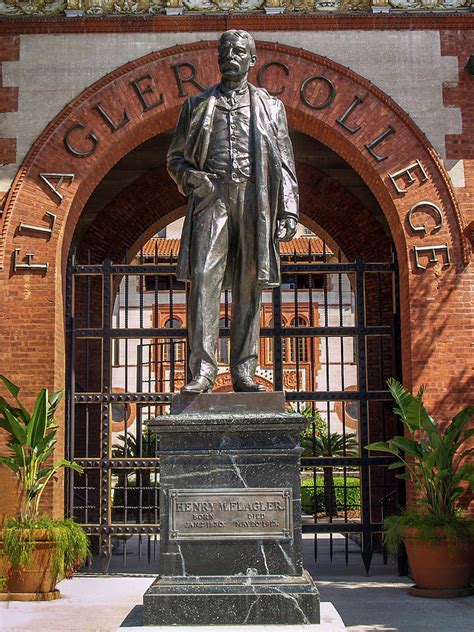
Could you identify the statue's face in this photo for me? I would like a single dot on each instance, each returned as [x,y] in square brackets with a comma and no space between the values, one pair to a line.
[234,57]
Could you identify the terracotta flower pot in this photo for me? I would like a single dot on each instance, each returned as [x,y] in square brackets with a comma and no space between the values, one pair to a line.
[440,569]
[38,580]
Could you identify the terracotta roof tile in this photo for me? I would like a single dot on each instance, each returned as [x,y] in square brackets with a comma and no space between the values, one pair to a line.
[163,247]
[302,244]
[167,247]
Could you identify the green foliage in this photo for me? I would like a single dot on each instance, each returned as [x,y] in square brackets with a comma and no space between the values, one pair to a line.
[135,495]
[316,441]
[71,545]
[434,461]
[128,447]
[428,528]
[316,424]
[31,443]
[310,501]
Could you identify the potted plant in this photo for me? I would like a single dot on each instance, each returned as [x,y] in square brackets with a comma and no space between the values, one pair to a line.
[437,536]
[39,550]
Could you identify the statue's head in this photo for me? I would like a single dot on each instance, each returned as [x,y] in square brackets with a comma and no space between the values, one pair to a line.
[236,54]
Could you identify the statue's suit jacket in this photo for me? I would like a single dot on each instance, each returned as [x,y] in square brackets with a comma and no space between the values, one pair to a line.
[274,172]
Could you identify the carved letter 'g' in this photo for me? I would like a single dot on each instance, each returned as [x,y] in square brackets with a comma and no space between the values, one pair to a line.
[90,137]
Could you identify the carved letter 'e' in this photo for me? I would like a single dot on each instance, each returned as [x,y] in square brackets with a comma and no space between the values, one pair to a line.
[431,250]
[407,171]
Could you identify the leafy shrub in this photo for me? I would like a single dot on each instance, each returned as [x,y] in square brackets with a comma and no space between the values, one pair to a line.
[150,494]
[428,527]
[31,442]
[71,543]
[436,458]
[310,504]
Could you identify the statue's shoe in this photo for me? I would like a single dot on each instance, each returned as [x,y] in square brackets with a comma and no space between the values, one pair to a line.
[247,385]
[199,384]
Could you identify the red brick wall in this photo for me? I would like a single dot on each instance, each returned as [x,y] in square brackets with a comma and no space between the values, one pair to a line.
[152,201]
[342,216]
[17,366]
[461,146]
[250,22]
[9,51]
[130,219]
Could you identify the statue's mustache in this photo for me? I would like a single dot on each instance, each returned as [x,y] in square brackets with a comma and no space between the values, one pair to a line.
[229,65]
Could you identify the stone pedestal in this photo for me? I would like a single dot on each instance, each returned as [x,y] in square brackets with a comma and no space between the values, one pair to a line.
[230,550]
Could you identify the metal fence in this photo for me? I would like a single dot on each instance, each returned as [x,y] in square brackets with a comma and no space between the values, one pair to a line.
[329,339]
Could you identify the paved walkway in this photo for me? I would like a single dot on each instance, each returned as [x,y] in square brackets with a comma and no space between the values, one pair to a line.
[366,603]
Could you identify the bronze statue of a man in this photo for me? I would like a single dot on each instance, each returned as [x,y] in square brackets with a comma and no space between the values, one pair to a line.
[232,156]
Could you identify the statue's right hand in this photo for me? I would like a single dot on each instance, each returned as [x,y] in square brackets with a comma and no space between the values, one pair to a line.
[201,183]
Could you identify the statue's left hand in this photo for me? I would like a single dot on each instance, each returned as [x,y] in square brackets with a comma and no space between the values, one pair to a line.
[286,228]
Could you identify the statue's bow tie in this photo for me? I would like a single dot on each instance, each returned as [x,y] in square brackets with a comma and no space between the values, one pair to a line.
[231,95]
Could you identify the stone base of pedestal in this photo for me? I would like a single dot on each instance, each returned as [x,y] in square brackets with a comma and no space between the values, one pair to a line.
[238,600]
[230,514]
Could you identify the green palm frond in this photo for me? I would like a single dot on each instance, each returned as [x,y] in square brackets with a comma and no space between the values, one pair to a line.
[31,441]
[434,461]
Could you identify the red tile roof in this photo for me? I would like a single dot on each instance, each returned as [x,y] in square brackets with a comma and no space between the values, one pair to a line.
[302,244]
[167,247]
[162,247]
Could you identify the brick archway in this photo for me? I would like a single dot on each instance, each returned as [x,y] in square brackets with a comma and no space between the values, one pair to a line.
[142,99]
[152,201]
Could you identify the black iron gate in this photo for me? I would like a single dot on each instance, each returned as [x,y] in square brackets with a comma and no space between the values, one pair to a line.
[329,339]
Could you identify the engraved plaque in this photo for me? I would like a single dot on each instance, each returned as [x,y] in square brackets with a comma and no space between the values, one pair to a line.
[231,514]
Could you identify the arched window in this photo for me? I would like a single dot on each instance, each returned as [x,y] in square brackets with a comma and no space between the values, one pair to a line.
[223,349]
[177,343]
[298,344]
[270,345]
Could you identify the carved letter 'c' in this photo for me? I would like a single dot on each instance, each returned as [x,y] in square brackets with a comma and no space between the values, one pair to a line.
[261,76]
